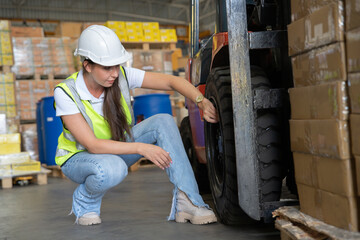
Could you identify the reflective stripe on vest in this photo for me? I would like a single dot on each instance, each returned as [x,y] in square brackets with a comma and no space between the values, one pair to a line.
[67,144]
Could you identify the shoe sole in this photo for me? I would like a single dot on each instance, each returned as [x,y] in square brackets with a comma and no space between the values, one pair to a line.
[89,221]
[183,217]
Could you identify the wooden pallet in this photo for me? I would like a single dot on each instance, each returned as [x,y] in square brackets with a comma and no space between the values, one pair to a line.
[55,171]
[38,76]
[141,162]
[150,45]
[39,177]
[293,224]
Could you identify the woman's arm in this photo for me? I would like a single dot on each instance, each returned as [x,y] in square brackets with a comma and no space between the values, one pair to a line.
[79,128]
[167,82]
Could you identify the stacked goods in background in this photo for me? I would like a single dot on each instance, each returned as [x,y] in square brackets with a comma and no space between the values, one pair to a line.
[29,92]
[141,32]
[42,56]
[8,115]
[6,52]
[152,56]
[9,119]
[319,125]
[353,66]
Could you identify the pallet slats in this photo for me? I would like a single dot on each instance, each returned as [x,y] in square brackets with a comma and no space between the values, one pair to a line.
[294,224]
[40,178]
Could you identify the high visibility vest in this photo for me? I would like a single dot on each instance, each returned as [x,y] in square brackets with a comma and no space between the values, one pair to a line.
[67,144]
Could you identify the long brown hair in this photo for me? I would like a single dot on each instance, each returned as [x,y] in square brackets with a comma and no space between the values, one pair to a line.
[114,112]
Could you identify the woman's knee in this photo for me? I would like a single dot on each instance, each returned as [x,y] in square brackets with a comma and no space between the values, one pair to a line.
[112,170]
[165,121]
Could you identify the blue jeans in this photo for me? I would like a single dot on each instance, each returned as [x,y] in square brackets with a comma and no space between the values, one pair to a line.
[97,173]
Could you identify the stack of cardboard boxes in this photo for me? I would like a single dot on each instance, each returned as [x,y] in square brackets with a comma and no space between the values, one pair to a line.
[29,92]
[353,66]
[8,116]
[8,111]
[141,32]
[320,132]
[6,52]
[42,56]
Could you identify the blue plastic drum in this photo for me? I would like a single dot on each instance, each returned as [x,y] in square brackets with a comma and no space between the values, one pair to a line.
[150,104]
[51,128]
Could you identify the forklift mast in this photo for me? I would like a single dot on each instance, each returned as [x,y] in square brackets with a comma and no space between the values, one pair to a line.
[232,19]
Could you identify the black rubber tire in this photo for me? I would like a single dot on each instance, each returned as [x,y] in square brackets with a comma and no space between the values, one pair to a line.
[200,170]
[220,147]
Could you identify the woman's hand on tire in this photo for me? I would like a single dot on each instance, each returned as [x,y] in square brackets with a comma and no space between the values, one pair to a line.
[209,111]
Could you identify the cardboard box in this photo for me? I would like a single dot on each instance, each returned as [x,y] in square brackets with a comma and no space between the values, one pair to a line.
[305,169]
[27,31]
[26,166]
[328,174]
[339,211]
[9,143]
[150,25]
[320,65]
[328,138]
[68,29]
[333,209]
[310,201]
[355,133]
[326,101]
[352,14]
[155,60]
[353,50]
[354,92]
[357,165]
[302,8]
[322,27]
[5,25]
[134,25]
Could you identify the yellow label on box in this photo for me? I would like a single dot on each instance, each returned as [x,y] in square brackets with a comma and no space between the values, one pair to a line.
[6,49]
[9,143]
[26,166]
[150,25]
[123,38]
[9,110]
[121,32]
[10,93]
[111,24]
[134,38]
[5,25]
[5,37]
[151,38]
[7,77]
[7,60]
[134,25]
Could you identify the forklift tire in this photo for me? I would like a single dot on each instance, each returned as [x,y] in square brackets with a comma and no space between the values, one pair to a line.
[220,147]
[200,170]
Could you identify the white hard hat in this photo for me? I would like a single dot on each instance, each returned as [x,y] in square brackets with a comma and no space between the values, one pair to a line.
[101,45]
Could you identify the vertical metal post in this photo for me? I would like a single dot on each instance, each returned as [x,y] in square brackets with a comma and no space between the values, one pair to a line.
[194,27]
[246,159]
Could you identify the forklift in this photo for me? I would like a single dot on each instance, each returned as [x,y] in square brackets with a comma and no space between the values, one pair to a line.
[245,71]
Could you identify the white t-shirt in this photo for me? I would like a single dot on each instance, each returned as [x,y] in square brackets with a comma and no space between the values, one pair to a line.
[66,106]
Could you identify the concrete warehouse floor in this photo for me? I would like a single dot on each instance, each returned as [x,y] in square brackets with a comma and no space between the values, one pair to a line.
[135,209]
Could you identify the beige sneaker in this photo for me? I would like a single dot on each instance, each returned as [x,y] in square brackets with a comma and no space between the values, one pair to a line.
[90,218]
[187,211]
